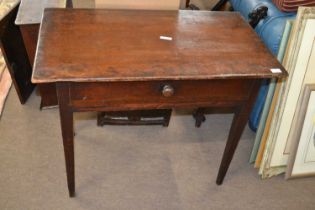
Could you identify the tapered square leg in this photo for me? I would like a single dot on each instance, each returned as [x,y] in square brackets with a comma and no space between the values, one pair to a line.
[239,122]
[66,119]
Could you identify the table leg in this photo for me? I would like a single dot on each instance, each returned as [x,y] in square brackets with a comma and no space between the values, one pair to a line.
[238,124]
[66,119]
[187,3]
[69,4]
[199,116]
[218,5]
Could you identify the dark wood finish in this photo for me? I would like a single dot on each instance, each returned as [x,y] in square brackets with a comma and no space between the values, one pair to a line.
[69,4]
[254,18]
[47,91]
[48,95]
[133,95]
[187,3]
[238,124]
[203,66]
[141,117]
[199,116]
[66,120]
[136,117]
[76,97]
[219,5]
[15,55]
[133,51]
[30,37]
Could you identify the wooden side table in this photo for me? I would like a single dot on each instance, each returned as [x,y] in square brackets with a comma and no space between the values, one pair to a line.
[152,60]
[14,52]
[28,20]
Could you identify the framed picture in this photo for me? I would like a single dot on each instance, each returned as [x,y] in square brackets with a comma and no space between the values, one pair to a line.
[302,156]
[301,71]
[263,123]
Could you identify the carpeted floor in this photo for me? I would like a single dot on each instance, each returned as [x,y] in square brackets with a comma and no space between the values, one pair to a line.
[5,83]
[126,167]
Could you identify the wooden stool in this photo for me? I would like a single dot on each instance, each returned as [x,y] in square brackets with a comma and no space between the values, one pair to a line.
[138,117]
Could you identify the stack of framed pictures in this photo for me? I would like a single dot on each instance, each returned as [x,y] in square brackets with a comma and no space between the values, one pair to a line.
[302,156]
[281,139]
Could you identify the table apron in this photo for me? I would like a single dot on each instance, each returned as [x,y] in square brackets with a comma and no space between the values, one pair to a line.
[112,96]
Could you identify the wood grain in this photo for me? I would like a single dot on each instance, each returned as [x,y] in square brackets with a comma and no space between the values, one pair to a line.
[30,37]
[118,45]
[148,94]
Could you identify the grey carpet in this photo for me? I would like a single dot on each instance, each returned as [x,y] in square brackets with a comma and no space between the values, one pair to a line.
[126,167]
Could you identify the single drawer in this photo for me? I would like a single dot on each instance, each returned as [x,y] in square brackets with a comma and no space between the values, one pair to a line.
[159,94]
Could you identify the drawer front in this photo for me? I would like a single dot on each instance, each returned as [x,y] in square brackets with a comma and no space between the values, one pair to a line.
[159,94]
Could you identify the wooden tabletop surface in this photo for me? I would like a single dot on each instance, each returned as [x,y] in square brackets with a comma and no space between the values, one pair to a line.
[125,45]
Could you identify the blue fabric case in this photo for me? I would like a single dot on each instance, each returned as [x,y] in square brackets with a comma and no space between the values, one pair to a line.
[270,30]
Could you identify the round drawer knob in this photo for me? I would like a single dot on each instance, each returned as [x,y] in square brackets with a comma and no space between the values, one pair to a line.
[167,91]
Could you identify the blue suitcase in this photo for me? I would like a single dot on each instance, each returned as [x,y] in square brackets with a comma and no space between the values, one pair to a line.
[270,30]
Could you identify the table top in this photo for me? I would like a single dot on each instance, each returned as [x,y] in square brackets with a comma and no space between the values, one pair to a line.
[31,11]
[82,45]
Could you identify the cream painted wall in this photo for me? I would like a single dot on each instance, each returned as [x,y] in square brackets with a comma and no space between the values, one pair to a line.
[202,4]
[139,4]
